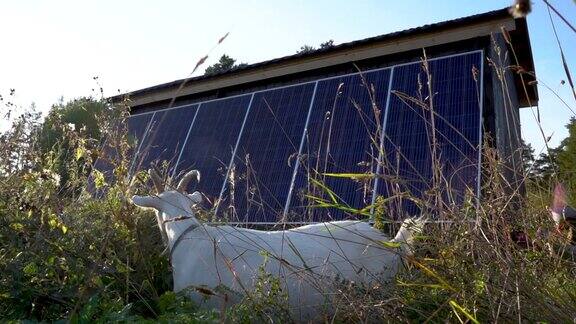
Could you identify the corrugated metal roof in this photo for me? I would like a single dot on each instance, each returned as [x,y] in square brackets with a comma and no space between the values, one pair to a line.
[430,28]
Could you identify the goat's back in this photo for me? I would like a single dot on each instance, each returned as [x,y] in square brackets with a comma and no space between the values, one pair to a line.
[307,259]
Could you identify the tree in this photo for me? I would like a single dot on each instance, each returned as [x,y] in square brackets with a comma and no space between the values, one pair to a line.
[225,64]
[527,153]
[327,44]
[18,144]
[307,48]
[68,136]
[545,166]
[566,158]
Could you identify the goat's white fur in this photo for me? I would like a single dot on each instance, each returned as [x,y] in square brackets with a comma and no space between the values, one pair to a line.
[308,259]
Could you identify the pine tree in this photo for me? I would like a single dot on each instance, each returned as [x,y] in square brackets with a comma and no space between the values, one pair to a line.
[225,64]
[567,161]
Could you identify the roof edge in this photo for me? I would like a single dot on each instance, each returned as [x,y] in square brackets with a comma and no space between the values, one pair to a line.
[410,39]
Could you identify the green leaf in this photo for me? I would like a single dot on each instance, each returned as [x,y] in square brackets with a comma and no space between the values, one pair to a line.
[64,229]
[463,310]
[351,175]
[326,189]
[167,301]
[97,280]
[30,269]
[434,275]
[431,286]
[17,227]
[347,209]
[391,244]
[99,180]
[53,223]
[80,152]
[89,310]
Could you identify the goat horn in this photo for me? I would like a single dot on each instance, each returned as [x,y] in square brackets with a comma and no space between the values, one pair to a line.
[186,180]
[156,180]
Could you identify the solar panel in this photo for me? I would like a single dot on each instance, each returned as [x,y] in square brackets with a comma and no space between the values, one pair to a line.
[211,141]
[165,138]
[270,139]
[247,146]
[342,138]
[408,162]
[137,125]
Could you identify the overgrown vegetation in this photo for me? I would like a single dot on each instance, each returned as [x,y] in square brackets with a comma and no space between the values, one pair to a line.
[66,255]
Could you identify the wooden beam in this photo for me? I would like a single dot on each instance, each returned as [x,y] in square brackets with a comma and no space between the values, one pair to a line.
[402,44]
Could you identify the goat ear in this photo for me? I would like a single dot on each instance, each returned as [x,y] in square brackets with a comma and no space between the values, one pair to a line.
[145,202]
[196,197]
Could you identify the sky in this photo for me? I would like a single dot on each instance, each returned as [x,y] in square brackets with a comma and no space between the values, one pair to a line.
[54,49]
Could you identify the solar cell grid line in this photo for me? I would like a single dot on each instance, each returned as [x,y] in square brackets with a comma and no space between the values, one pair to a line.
[137,127]
[211,141]
[298,157]
[165,138]
[480,130]
[229,169]
[414,122]
[173,175]
[269,142]
[342,138]
[457,117]
[136,123]
[142,136]
[381,144]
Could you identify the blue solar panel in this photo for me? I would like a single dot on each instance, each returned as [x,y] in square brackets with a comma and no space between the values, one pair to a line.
[165,138]
[270,138]
[408,131]
[137,125]
[342,137]
[211,142]
[343,117]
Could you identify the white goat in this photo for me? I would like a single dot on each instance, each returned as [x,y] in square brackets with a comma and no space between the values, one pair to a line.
[220,263]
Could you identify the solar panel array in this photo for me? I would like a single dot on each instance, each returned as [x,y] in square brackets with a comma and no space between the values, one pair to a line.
[309,151]
[409,137]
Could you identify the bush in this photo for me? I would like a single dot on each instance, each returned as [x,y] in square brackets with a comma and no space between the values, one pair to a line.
[71,258]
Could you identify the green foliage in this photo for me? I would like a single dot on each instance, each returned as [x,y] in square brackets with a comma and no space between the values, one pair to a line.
[225,64]
[309,49]
[380,214]
[81,114]
[553,166]
[18,144]
[267,303]
[68,138]
[81,259]
[306,49]
[566,158]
